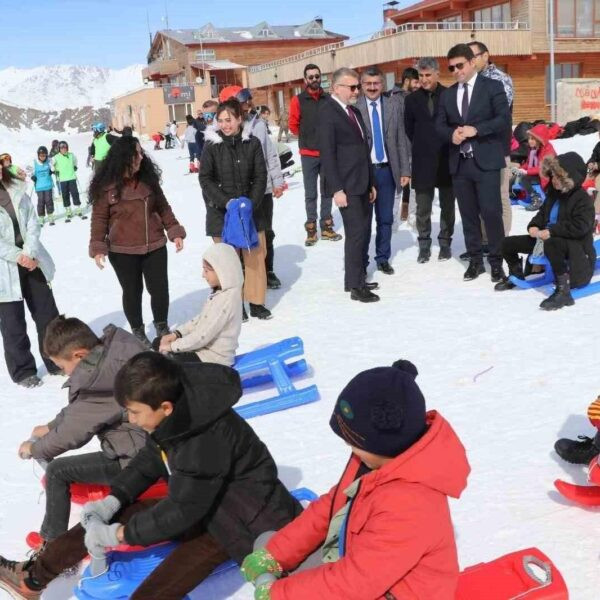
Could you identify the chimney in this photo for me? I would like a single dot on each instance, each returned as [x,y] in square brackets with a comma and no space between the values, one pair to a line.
[319,20]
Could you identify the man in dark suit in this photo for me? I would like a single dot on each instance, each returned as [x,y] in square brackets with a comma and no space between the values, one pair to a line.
[348,175]
[429,160]
[472,116]
[390,155]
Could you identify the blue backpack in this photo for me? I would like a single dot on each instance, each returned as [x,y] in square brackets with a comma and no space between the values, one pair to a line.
[239,230]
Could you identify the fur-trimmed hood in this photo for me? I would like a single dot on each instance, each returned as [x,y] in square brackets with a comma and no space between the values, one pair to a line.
[214,135]
[568,167]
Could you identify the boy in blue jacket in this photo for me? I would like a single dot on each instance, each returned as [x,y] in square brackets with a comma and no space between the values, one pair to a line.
[42,177]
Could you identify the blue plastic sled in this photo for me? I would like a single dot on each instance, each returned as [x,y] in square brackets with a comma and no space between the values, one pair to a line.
[267,365]
[527,201]
[127,570]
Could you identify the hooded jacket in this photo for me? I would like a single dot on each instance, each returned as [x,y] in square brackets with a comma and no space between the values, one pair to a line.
[399,541]
[218,470]
[230,167]
[258,128]
[541,133]
[92,408]
[213,334]
[576,215]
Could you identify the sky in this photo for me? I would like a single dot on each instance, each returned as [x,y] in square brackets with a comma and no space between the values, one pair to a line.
[114,33]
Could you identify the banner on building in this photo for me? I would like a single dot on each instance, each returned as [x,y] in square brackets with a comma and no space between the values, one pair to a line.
[576,98]
[178,94]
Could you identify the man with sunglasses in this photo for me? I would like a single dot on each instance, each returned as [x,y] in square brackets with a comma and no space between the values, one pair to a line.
[303,123]
[348,173]
[473,116]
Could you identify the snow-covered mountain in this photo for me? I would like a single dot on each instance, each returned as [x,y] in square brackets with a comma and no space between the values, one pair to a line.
[54,88]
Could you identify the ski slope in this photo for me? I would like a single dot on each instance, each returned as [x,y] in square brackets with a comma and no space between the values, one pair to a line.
[509,377]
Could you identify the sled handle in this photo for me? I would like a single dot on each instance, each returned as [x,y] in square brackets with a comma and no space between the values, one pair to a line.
[528,560]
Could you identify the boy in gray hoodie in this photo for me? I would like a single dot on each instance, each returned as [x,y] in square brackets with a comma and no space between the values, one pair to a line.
[91,364]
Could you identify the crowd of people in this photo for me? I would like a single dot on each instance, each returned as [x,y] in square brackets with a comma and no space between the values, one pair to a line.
[163,409]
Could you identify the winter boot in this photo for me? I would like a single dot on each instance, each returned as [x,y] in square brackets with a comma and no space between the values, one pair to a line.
[68,214]
[30,382]
[445,252]
[140,334]
[16,580]
[260,311]
[535,204]
[311,233]
[162,328]
[506,284]
[273,282]
[577,452]
[562,295]
[327,232]
[424,251]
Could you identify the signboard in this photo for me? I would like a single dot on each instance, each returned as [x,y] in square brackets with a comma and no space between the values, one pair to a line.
[178,94]
[576,98]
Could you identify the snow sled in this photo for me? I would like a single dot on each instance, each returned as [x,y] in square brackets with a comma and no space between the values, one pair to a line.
[127,570]
[521,196]
[267,366]
[548,276]
[586,495]
[526,574]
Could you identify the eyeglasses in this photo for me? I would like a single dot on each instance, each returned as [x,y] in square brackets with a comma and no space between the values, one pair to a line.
[478,54]
[457,67]
[352,88]
[312,77]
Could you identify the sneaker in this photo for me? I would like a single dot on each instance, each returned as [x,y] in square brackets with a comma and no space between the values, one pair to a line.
[140,334]
[12,580]
[30,382]
[260,311]
[273,282]
[311,233]
[327,232]
[577,452]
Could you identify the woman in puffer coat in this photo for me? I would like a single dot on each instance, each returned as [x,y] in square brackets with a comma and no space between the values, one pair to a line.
[130,215]
[232,165]
[26,271]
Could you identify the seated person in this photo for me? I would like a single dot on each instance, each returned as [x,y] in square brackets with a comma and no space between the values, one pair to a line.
[91,365]
[213,334]
[565,223]
[584,449]
[593,166]
[528,175]
[223,485]
[385,529]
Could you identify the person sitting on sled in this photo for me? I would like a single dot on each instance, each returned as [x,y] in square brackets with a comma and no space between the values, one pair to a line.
[585,448]
[384,530]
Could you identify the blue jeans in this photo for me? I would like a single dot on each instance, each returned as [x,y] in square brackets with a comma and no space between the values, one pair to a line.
[384,213]
[193,150]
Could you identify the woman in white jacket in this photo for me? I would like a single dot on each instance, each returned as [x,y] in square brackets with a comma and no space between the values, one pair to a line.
[26,271]
[213,334]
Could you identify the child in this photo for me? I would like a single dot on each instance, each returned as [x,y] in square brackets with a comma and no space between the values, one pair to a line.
[583,450]
[593,166]
[538,140]
[42,177]
[189,136]
[565,224]
[385,529]
[91,364]
[65,168]
[223,485]
[213,334]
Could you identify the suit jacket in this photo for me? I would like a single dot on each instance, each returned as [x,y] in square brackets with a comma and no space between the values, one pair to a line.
[429,151]
[488,113]
[396,144]
[345,155]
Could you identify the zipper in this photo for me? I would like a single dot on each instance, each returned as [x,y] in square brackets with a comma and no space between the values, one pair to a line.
[344,527]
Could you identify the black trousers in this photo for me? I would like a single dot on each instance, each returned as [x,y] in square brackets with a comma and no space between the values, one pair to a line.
[357,221]
[45,203]
[424,199]
[267,206]
[478,194]
[13,327]
[556,250]
[132,271]
[68,189]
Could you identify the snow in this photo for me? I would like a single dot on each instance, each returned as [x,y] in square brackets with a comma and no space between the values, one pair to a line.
[510,378]
[66,86]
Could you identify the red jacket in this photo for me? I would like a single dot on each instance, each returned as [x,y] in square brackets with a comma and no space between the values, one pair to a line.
[294,120]
[542,133]
[399,536]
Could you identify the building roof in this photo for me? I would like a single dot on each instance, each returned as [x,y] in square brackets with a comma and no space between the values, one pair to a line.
[419,6]
[217,65]
[262,32]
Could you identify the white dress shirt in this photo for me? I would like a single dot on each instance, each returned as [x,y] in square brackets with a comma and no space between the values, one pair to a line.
[380,114]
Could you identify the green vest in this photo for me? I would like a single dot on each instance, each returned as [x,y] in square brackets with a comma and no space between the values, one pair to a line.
[101,147]
[64,166]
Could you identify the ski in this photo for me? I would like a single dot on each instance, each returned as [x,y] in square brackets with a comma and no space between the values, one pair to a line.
[586,495]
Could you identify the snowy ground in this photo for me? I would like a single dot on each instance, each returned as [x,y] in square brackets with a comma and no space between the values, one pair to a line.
[542,376]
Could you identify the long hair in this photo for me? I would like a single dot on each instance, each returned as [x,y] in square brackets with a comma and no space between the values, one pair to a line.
[114,169]
[7,177]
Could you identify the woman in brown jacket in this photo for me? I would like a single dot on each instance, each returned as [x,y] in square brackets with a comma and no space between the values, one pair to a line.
[130,215]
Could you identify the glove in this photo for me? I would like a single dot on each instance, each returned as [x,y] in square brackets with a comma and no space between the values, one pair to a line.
[99,536]
[74,168]
[34,178]
[259,562]
[103,510]
[263,592]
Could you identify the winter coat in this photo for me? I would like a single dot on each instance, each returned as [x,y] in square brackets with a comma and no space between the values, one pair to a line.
[65,166]
[258,128]
[42,171]
[189,134]
[10,283]
[230,167]
[218,470]
[399,538]
[92,408]
[133,223]
[213,334]
[542,134]
[595,158]
[576,215]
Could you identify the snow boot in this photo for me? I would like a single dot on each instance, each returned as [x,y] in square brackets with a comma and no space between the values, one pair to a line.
[561,296]
[260,311]
[311,233]
[273,282]
[424,251]
[535,204]
[140,334]
[30,382]
[68,214]
[16,580]
[506,284]
[162,328]
[577,452]
[445,253]
[327,232]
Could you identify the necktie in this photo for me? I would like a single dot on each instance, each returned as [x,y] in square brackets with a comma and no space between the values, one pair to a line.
[430,103]
[377,137]
[465,147]
[354,119]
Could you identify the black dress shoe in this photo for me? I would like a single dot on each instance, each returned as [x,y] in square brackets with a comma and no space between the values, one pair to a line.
[474,270]
[370,285]
[465,256]
[445,253]
[363,295]
[385,267]
[498,274]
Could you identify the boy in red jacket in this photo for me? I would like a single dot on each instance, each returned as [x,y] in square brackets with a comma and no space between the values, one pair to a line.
[384,531]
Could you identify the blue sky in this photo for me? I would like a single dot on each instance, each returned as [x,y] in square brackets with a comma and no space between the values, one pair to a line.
[114,33]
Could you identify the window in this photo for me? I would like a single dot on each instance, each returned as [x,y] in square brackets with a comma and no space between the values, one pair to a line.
[206,54]
[390,80]
[492,17]
[453,22]
[561,71]
[178,112]
[577,18]
[265,32]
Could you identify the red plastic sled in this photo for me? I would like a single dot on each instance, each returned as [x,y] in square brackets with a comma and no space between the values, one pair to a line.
[586,495]
[526,574]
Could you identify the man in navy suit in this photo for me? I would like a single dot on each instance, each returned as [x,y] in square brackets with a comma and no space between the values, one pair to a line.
[348,175]
[473,116]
